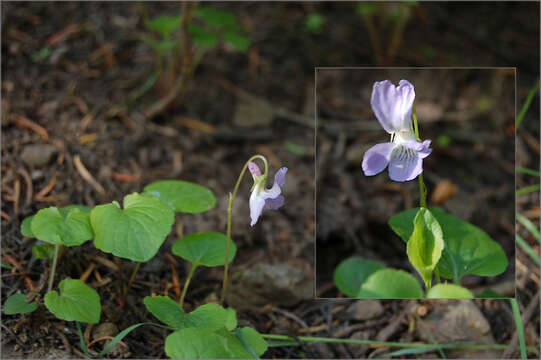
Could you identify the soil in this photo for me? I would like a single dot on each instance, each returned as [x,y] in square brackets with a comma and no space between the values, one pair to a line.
[75,95]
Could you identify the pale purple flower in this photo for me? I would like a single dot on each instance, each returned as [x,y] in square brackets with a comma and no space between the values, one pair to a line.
[262,198]
[404,155]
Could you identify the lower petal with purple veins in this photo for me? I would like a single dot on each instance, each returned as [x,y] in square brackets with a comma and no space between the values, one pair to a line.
[405,164]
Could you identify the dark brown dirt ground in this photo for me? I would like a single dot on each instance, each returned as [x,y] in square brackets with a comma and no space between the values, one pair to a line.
[95,64]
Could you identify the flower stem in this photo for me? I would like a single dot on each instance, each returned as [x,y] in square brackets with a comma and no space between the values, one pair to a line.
[187,283]
[53,267]
[422,186]
[229,216]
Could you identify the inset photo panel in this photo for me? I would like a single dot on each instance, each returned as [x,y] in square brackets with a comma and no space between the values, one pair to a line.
[415,183]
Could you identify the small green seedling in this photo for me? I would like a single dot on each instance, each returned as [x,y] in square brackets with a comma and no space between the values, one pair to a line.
[16,304]
[208,332]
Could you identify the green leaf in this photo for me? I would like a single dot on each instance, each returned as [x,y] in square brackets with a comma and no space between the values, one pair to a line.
[490,294]
[183,196]
[204,248]
[390,284]
[43,251]
[76,302]
[166,310]
[68,227]
[251,338]
[16,304]
[164,25]
[217,18]
[239,42]
[351,273]
[449,291]
[26,228]
[468,249]
[196,343]
[135,232]
[209,316]
[425,244]
[201,36]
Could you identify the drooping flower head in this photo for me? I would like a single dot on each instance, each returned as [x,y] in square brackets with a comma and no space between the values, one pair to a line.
[262,198]
[404,156]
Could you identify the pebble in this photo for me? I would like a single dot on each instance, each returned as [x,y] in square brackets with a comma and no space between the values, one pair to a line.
[36,155]
[277,284]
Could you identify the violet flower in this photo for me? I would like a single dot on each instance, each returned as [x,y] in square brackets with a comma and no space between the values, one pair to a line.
[262,198]
[404,155]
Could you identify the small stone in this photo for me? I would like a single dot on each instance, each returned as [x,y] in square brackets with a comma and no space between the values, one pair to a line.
[278,284]
[36,155]
[363,310]
[456,321]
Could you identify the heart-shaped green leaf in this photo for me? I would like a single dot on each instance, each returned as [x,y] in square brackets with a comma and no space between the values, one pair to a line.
[76,302]
[69,227]
[468,249]
[195,343]
[351,273]
[16,304]
[390,284]
[449,291]
[26,225]
[182,196]
[425,244]
[208,316]
[43,251]
[135,232]
[204,248]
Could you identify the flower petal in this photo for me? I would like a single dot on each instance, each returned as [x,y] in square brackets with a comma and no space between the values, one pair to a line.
[273,204]
[257,203]
[271,197]
[392,105]
[405,163]
[376,158]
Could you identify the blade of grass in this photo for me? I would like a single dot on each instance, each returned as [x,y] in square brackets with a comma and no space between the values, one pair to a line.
[528,189]
[520,328]
[528,249]
[523,170]
[311,340]
[530,226]
[527,103]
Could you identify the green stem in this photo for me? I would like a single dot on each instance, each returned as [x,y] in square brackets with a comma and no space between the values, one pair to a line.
[132,278]
[187,283]
[229,216]
[422,186]
[53,267]
[311,339]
